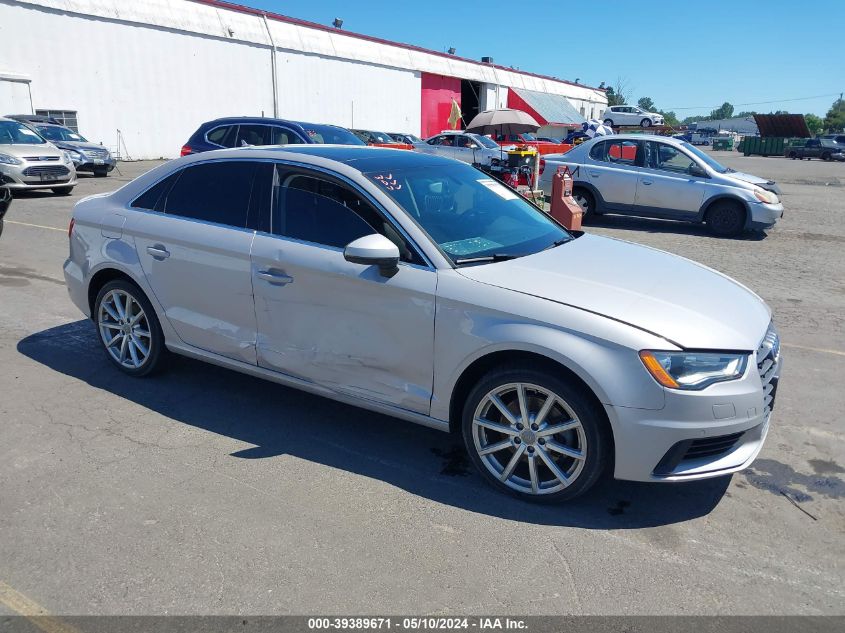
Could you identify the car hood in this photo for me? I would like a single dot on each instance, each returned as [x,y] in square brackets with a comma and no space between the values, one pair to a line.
[22,150]
[686,303]
[81,145]
[771,185]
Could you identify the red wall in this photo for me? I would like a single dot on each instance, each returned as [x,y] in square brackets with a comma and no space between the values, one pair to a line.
[437,94]
[518,103]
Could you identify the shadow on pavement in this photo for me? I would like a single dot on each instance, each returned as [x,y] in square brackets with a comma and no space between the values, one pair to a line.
[653,225]
[277,420]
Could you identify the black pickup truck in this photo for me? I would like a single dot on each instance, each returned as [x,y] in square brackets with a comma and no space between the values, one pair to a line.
[823,148]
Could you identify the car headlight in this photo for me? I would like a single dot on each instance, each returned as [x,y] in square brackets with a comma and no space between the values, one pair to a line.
[10,160]
[693,370]
[765,196]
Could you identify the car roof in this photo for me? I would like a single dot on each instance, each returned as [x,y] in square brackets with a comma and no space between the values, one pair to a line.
[259,120]
[361,157]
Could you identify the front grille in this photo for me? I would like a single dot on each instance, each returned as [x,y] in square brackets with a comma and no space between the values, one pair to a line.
[57,170]
[97,153]
[39,159]
[767,363]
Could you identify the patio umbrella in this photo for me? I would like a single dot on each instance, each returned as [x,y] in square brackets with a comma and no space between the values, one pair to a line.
[504,121]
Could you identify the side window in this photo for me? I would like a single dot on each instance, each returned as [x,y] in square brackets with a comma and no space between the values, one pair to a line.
[153,198]
[284,136]
[463,141]
[315,209]
[217,135]
[253,135]
[667,158]
[617,152]
[434,140]
[214,192]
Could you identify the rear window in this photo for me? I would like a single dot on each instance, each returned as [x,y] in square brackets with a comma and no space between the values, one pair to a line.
[331,135]
[223,136]
[153,198]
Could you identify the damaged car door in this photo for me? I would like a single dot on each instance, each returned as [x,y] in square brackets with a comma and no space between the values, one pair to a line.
[343,325]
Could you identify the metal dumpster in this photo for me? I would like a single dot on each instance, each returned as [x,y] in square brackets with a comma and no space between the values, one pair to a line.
[763,145]
[724,144]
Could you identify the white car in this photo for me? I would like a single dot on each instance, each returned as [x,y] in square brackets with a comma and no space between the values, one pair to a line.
[474,149]
[630,115]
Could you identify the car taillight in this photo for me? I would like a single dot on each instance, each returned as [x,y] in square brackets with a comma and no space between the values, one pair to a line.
[186,149]
[70,228]
[542,165]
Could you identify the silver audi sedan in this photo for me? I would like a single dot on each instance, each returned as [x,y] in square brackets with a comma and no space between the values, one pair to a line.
[417,286]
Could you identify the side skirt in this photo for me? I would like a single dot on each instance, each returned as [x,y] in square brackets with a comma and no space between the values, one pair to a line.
[310,387]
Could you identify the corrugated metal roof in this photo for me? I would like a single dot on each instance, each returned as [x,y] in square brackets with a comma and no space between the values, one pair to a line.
[553,108]
[785,125]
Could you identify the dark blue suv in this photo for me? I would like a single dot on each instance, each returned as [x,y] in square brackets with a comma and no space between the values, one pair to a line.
[243,131]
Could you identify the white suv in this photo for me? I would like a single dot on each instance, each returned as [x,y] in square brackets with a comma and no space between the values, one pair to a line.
[631,115]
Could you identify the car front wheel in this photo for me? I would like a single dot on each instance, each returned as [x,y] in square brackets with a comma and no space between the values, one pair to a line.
[128,327]
[534,435]
[726,219]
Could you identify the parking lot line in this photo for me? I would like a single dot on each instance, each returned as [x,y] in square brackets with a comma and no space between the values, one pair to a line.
[37,226]
[821,350]
[34,612]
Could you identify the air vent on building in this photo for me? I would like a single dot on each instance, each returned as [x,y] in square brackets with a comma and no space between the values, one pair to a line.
[486,60]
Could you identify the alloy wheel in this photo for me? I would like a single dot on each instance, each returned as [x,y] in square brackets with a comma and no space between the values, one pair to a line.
[124,329]
[529,438]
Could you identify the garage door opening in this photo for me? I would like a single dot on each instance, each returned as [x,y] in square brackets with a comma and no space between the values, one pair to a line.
[469,100]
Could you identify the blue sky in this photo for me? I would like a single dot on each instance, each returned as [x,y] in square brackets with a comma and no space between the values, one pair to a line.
[687,56]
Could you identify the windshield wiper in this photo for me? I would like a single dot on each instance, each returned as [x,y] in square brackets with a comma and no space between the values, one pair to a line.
[497,257]
[558,243]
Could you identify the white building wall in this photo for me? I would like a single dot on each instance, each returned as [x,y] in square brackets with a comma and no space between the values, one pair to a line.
[346,93]
[154,85]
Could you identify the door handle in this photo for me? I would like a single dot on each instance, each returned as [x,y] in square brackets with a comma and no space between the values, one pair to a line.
[646,182]
[275,277]
[594,174]
[158,252]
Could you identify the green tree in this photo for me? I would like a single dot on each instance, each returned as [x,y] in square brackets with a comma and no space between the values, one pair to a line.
[834,120]
[745,114]
[646,104]
[670,118]
[814,123]
[694,119]
[725,111]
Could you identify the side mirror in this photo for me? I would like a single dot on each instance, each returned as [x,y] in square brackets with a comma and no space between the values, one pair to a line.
[472,146]
[374,250]
[697,170]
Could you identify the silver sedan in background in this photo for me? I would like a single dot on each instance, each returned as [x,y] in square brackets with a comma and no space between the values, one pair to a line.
[418,287]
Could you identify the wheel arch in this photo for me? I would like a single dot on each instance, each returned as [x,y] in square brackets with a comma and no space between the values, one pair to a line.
[708,204]
[474,371]
[583,184]
[104,275]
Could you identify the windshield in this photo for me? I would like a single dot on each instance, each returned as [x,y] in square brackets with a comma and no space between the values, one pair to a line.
[381,137]
[56,133]
[713,164]
[487,142]
[528,137]
[14,133]
[413,138]
[468,214]
[331,135]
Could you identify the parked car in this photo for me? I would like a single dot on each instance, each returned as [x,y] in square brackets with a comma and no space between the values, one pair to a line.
[474,149]
[660,177]
[839,138]
[379,139]
[549,139]
[250,131]
[33,118]
[407,139]
[27,161]
[630,115]
[86,156]
[5,200]
[823,148]
[555,356]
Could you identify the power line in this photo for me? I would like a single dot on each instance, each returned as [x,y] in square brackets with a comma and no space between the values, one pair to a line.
[831,94]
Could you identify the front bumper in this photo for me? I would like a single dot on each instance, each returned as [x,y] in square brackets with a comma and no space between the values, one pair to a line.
[763,216]
[38,175]
[698,434]
[84,163]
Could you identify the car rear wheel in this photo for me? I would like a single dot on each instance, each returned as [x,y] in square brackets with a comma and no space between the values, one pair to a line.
[726,219]
[535,435]
[129,329]
[586,201]
[793,155]
[62,191]
[645,123]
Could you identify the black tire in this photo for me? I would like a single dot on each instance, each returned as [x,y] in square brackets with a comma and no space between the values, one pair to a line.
[826,156]
[608,122]
[645,123]
[101,172]
[588,205]
[594,439]
[726,218]
[62,191]
[157,350]
[793,155]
